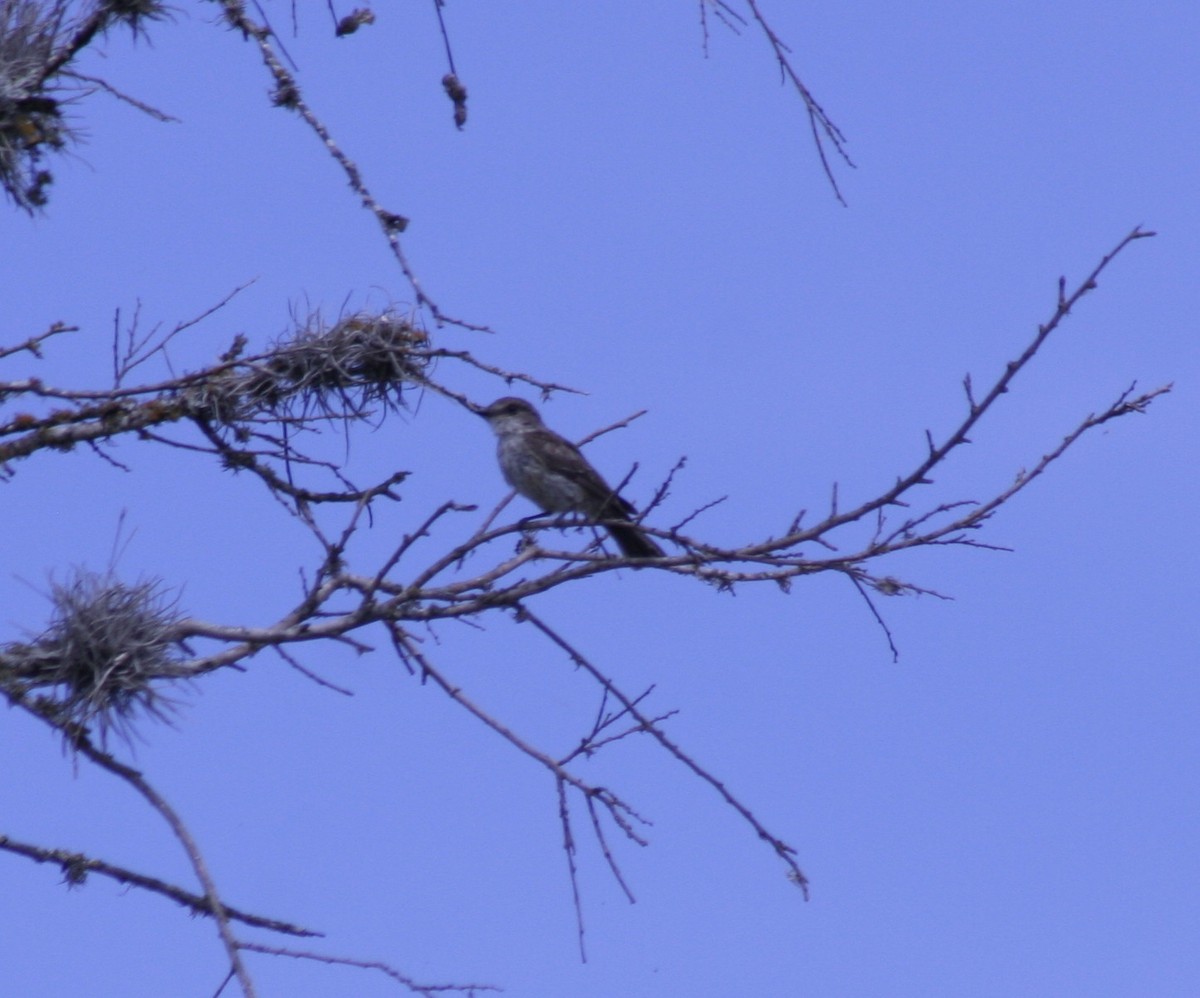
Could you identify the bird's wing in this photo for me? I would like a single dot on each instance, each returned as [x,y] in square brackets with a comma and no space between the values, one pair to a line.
[564,458]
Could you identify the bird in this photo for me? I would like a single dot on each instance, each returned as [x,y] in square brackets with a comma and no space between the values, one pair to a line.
[553,474]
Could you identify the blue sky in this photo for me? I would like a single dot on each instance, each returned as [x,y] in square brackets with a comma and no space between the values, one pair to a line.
[1008,810]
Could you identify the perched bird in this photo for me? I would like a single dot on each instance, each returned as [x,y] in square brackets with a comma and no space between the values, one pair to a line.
[552,473]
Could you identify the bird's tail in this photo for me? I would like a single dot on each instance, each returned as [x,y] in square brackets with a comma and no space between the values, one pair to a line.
[633,542]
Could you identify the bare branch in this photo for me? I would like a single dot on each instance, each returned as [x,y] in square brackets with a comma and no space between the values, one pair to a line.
[76,867]
[430,990]
[287,94]
[824,131]
[782,849]
[213,904]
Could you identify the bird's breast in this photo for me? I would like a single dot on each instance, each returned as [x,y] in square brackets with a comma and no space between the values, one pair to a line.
[526,470]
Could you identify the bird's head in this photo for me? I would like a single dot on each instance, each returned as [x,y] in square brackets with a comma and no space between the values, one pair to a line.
[509,414]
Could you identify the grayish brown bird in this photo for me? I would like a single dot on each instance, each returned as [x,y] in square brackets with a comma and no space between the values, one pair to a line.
[552,473]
